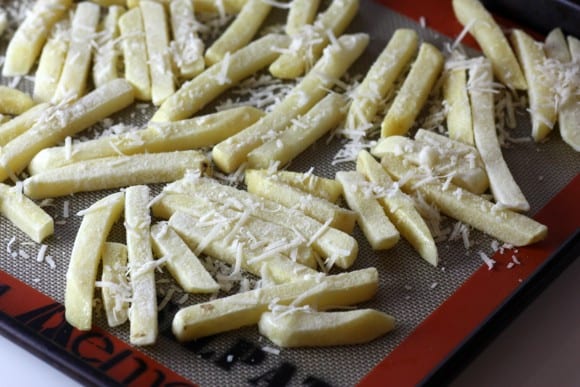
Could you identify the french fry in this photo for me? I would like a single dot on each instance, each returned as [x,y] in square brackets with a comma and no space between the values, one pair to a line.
[555,46]
[14,101]
[75,71]
[20,124]
[201,90]
[459,122]
[194,133]
[471,14]
[27,42]
[110,3]
[157,41]
[51,62]
[245,309]
[503,186]
[304,131]
[380,78]
[143,311]
[106,57]
[134,51]
[337,58]
[541,97]
[259,183]
[222,6]
[240,32]
[115,289]
[181,262]
[300,13]
[311,41]
[574,47]
[25,214]
[413,94]
[399,208]
[114,172]
[328,189]
[85,257]
[63,122]
[305,328]
[188,54]
[502,224]
[377,228]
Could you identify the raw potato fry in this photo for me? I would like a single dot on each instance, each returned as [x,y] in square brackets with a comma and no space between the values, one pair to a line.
[259,183]
[300,13]
[328,189]
[245,309]
[194,133]
[240,32]
[542,99]
[399,208]
[308,45]
[85,257]
[380,78]
[188,47]
[25,214]
[555,46]
[503,186]
[502,224]
[115,289]
[134,51]
[106,59]
[51,62]
[304,131]
[157,40]
[413,94]
[569,121]
[114,172]
[201,90]
[27,42]
[459,122]
[63,122]
[574,47]
[305,328]
[75,71]
[337,58]
[181,262]
[221,6]
[110,3]
[377,228]
[20,124]
[492,41]
[14,101]
[143,311]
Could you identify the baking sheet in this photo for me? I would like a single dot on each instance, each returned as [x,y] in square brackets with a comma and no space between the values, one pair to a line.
[410,289]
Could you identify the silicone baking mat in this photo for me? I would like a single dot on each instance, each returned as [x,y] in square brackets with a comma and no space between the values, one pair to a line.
[436,308]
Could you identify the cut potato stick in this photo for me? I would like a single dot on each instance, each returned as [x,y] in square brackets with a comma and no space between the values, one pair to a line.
[231,153]
[20,124]
[63,122]
[413,94]
[25,214]
[106,59]
[503,186]
[569,121]
[221,6]
[110,3]
[472,15]
[377,228]
[300,13]
[541,96]
[334,244]
[114,172]
[75,71]
[51,62]
[459,122]
[134,51]
[195,94]
[181,262]
[555,46]
[245,309]
[307,328]
[502,224]
[157,40]
[143,311]
[304,131]
[14,101]
[380,78]
[115,289]
[240,32]
[188,47]
[259,183]
[194,133]
[399,208]
[27,42]
[85,257]
[574,47]
[308,45]
[322,187]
